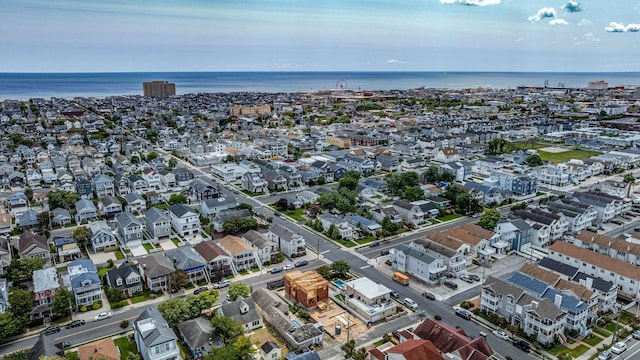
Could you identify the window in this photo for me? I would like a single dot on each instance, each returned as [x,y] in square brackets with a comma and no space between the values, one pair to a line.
[167,346]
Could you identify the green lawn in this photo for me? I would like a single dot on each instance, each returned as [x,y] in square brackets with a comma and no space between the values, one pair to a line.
[176,241]
[379,342]
[601,332]
[593,341]
[146,295]
[297,214]
[612,326]
[566,155]
[449,217]
[625,316]
[118,304]
[71,355]
[125,346]
[119,255]
[148,247]
[61,269]
[526,146]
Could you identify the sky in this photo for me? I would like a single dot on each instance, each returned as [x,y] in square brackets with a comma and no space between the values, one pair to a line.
[319,35]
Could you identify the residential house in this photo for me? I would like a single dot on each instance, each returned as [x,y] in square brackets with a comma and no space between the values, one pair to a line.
[4,296]
[618,249]
[61,217]
[342,225]
[33,246]
[125,278]
[122,184]
[607,206]
[183,176]
[110,206]
[6,224]
[168,179]
[219,263]
[85,211]
[104,349]
[45,286]
[270,351]
[103,186]
[517,233]
[461,170]
[409,212]
[158,224]
[225,215]
[84,187]
[266,249]
[130,230]
[254,183]
[188,260]
[408,350]
[135,203]
[154,338]
[417,263]
[101,235]
[155,270]
[152,179]
[291,244]
[138,184]
[67,248]
[242,310]
[202,189]
[214,206]
[389,163]
[579,215]
[27,220]
[367,226]
[84,281]
[454,261]
[557,224]
[198,336]
[447,155]
[244,255]
[452,343]
[370,300]
[185,221]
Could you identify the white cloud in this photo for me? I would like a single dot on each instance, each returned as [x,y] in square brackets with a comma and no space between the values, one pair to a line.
[585,22]
[617,27]
[518,39]
[472,2]
[572,6]
[395,61]
[555,22]
[590,37]
[545,12]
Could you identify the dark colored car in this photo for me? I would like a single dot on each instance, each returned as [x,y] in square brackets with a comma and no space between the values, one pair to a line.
[429,295]
[384,252]
[451,285]
[522,345]
[395,294]
[200,290]
[301,263]
[75,323]
[50,330]
[474,277]
[374,243]
[276,269]
[463,314]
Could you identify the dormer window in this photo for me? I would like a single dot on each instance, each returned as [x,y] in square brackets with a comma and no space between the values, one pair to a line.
[119,281]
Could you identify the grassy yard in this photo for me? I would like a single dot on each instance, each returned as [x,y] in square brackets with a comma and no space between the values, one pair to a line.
[526,146]
[61,269]
[449,217]
[125,346]
[365,240]
[176,241]
[625,316]
[612,326]
[119,254]
[601,332]
[71,355]
[146,295]
[593,341]
[297,214]
[566,155]
[148,247]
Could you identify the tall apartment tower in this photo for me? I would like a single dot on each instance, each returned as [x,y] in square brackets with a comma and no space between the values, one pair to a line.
[158,89]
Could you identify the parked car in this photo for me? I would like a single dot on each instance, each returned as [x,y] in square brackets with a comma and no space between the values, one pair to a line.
[522,345]
[74,323]
[221,284]
[200,290]
[474,277]
[500,334]
[617,222]
[50,330]
[411,303]
[384,252]
[636,334]
[102,316]
[429,295]
[605,355]
[276,214]
[451,285]
[287,267]
[276,269]
[395,294]
[618,348]
[467,279]
[374,243]
[475,261]
[463,314]
[301,263]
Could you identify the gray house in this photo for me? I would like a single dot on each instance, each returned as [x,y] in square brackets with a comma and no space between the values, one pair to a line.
[126,278]
[198,336]
[411,261]
[154,338]
[85,211]
[242,310]
[101,235]
[129,230]
[158,224]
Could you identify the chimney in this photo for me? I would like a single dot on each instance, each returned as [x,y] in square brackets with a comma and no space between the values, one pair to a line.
[144,266]
[557,300]
[534,305]
[175,260]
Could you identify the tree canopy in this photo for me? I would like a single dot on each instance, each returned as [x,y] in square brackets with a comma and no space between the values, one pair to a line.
[62,199]
[177,199]
[489,219]
[238,289]
[534,160]
[21,270]
[237,224]
[177,310]
[227,328]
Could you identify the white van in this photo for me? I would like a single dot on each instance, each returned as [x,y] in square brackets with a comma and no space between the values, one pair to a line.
[410,303]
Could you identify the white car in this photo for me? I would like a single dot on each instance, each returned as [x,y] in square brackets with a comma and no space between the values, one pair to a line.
[102,316]
[222,284]
[287,267]
[500,334]
[618,348]
[410,303]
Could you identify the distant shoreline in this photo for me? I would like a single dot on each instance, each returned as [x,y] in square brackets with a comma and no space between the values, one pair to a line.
[23,86]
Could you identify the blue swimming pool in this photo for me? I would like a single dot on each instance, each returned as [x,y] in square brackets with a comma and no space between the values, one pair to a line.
[339,284]
[296,323]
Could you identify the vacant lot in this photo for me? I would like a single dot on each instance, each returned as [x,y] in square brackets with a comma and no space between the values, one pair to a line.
[558,157]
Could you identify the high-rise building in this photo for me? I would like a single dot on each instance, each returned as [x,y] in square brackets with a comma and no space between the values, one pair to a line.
[158,89]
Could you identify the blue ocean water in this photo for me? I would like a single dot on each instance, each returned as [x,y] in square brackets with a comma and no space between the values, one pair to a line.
[23,86]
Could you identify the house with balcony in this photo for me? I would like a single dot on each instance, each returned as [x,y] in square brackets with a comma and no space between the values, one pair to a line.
[186,259]
[244,256]
[211,207]
[152,178]
[409,212]
[84,282]
[138,184]
[388,163]
[154,338]
[45,285]
[122,184]
[380,213]
[254,183]
[154,270]
[607,206]
[34,246]
[219,263]
[183,176]
[84,187]
[103,186]
[557,224]
[451,343]
[158,224]
[110,206]
[412,261]
[579,215]
[61,217]
[85,211]
[67,248]
[135,203]
[244,311]
[461,170]
[130,230]
[516,233]
[371,300]
[291,244]
[551,175]
[101,235]
[274,178]
[125,278]
[628,252]
[342,225]
[185,221]
[539,317]
[202,189]
[454,261]
[266,249]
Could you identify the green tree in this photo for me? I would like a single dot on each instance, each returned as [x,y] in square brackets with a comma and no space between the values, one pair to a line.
[177,279]
[534,160]
[21,270]
[413,193]
[152,155]
[8,325]
[177,199]
[389,225]
[321,180]
[238,289]
[282,204]
[245,206]
[43,219]
[81,233]
[227,328]
[133,356]
[340,268]
[173,162]
[62,302]
[28,192]
[174,311]
[348,182]
[198,303]
[629,178]
[62,199]
[237,224]
[489,219]
[324,271]
[114,295]
[21,302]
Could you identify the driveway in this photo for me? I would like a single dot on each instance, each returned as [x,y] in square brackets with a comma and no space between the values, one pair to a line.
[167,245]
[138,251]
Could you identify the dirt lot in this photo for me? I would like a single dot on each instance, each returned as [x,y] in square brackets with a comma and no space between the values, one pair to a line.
[263,335]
